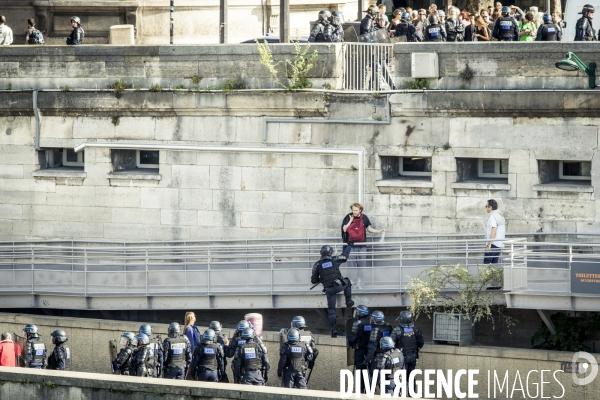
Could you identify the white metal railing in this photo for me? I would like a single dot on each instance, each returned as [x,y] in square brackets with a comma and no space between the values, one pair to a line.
[368,66]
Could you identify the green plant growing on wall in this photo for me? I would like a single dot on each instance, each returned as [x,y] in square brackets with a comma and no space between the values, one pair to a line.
[119,87]
[50,385]
[418,84]
[195,79]
[232,84]
[294,70]
[116,120]
[467,73]
[65,88]
[179,87]
[376,95]
[570,333]
[463,87]
[446,146]
[156,88]
[9,86]
[433,290]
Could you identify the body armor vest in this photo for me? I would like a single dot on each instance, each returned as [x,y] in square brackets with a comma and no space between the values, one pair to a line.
[124,359]
[402,29]
[364,333]
[37,350]
[296,353]
[66,354]
[409,344]
[249,352]
[141,364]
[506,28]
[152,349]
[549,32]
[208,356]
[177,351]
[586,24]
[329,272]
[394,357]
[305,336]
[382,331]
[434,33]
[366,25]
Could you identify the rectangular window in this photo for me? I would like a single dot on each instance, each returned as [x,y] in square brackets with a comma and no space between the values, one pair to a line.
[579,170]
[147,159]
[72,159]
[415,166]
[490,168]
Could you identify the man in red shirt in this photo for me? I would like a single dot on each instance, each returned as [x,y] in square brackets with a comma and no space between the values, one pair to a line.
[7,351]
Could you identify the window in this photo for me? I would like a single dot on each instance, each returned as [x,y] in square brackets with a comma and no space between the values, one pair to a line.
[489,168]
[578,170]
[147,159]
[59,158]
[72,159]
[142,161]
[415,166]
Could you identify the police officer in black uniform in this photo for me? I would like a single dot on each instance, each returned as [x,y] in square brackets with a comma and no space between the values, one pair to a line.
[221,339]
[379,329]
[250,361]
[141,362]
[359,337]
[367,25]
[154,348]
[60,359]
[387,357]
[404,28]
[178,351]
[322,30]
[548,32]
[293,359]
[409,339]
[77,34]
[337,22]
[35,349]
[434,32]
[505,27]
[208,363]
[584,31]
[327,272]
[122,363]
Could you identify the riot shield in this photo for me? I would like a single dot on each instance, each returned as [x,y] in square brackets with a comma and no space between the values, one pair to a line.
[112,351]
[349,349]
[398,39]
[20,350]
[282,337]
[350,34]
[378,36]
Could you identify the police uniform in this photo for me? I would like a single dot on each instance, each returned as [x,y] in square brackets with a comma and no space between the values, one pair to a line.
[506,29]
[36,353]
[223,377]
[321,32]
[234,344]
[156,358]
[367,25]
[408,30]
[123,361]
[292,366]
[584,30]
[208,361]
[251,362]
[435,33]
[410,341]
[378,330]
[359,340]
[76,36]
[390,359]
[178,351]
[60,359]
[455,30]
[548,33]
[140,363]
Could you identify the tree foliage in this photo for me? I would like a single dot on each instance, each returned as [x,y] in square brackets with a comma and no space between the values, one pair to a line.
[453,289]
[570,333]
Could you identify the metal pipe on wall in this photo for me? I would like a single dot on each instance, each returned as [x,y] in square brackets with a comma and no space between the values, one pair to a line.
[172,11]
[284,21]
[223,22]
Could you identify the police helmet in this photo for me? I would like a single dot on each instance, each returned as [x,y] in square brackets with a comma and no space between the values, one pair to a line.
[433,19]
[76,19]
[209,334]
[146,329]
[547,18]
[373,9]
[441,14]
[324,15]
[326,251]
[293,335]
[587,9]
[31,330]
[126,338]
[406,319]
[405,16]
[215,326]
[243,324]
[59,336]
[505,11]
[298,322]
[337,18]
[386,342]
[174,329]
[378,316]
[362,310]
[142,338]
[248,333]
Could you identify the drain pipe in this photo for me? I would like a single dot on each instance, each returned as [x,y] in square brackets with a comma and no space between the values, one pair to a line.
[360,153]
[387,121]
[36,112]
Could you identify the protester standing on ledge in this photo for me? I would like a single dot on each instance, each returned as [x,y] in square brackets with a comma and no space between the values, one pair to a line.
[354,230]
[495,232]
[6,34]
[76,36]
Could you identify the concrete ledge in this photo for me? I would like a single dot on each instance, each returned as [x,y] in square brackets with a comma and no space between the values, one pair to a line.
[560,187]
[134,175]
[58,173]
[407,183]
[480,186]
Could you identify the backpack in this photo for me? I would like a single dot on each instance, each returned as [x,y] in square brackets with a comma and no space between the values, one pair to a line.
[356,230]
[36,37]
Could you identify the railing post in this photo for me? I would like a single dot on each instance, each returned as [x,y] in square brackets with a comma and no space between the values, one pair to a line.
[400,266]
[85,272]
[146,272]
[272,271]
[570,261]
[208,273]
[32,272]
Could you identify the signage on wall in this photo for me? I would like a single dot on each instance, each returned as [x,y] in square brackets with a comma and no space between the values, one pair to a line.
[585,277]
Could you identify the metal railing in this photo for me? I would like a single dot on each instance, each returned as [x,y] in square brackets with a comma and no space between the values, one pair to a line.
[368,66]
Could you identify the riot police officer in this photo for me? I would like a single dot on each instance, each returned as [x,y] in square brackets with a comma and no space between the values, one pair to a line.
[409,339]
[379,329]
[455,30]
[35,349]
[77,34]
[306,336]
[238,340]
[584,31]
[390,358]
[250,362]
[208,363]
[141,362]
[434,32]
[155,352]
[506,28]
[548,32]
[221,339]
[60,359]
[367,25]
[178,351]
[122,363]
[327,272]
[322,30]
[293,359]
[404,28]
[359,337]
[337,21]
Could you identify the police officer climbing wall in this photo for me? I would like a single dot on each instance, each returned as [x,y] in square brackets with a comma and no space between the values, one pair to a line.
[178,352]
[60,359]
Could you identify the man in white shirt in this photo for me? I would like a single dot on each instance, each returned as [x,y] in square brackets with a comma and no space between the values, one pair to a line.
[6,34]
[495,232]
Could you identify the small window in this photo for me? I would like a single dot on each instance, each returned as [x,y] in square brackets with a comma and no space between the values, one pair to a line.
[147,159]
[72,159]
[415,166]
[579,170]
[489,168]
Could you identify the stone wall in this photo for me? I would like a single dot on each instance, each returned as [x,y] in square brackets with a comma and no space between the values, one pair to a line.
[88,340]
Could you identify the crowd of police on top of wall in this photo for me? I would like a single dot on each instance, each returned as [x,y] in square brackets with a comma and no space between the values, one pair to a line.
[499,23]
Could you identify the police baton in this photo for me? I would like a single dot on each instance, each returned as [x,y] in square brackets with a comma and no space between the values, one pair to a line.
[309,374]
[315,285]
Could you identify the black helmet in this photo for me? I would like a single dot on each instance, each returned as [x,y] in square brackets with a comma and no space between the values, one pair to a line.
[174,329]
[142,338]
[76,19]
[587,9]
[433,19]
[324,15]
[378,316]
[31,330]
[337,18]
[146,329]
[362,310]
[299,322]
[406,319]
[373,9]
[59,336]
[505,11]
[248,333]
[215,326]
[209,334]
[293,335]
[326,251]
[243,324]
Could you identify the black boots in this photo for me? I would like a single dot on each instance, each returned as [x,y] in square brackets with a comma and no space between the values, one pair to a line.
[334,332]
